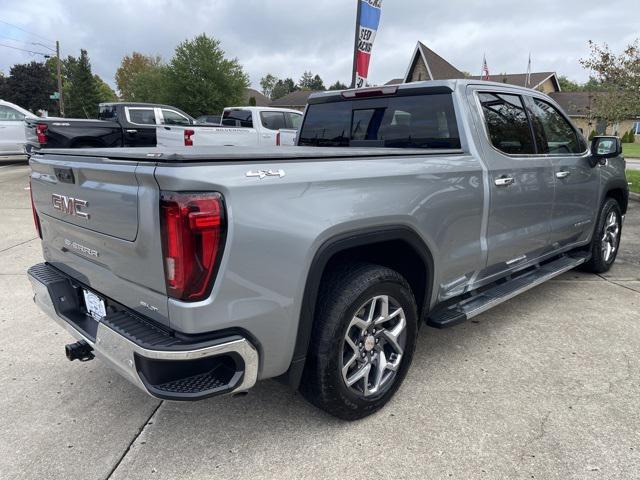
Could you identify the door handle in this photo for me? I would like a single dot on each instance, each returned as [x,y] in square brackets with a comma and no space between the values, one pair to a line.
[563,174]
[504,181]
[132,131]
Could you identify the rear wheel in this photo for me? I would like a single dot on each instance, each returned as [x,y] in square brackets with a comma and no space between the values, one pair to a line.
[606,238]
[362,342]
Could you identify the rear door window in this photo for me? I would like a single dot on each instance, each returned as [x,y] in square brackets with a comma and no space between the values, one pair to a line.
[237,118]
[142,116]
[553,132]
[415,121]
[272,120]
[171,117]
[8,114]
[293,120]
[507,123]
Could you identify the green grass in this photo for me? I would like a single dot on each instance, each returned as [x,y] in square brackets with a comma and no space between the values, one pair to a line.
[631,150]
[633,177]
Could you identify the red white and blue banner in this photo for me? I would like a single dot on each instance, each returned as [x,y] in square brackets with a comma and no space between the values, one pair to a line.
[368,22]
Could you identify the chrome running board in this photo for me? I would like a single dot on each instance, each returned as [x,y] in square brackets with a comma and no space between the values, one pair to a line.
[478,302]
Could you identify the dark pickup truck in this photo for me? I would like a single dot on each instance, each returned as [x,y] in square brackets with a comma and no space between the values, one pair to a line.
[118,125]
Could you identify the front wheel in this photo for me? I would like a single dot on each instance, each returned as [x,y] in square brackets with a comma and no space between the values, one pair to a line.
[362,342]
[606,238]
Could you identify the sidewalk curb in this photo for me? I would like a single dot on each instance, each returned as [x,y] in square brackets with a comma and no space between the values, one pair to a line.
[634,196]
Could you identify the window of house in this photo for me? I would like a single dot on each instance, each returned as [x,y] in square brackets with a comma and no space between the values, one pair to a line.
[554,133]
[272,120]
[142,116]
[420,121]
[637,128]
[237,118]
[172,117]
[8,114]
[507,123]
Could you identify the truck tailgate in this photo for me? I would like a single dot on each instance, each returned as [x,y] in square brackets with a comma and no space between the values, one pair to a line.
[92,226]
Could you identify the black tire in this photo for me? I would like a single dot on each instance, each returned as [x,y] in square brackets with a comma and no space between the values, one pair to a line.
[599,263]
[343,294]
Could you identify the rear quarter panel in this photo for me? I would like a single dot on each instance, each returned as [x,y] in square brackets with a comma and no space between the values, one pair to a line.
[276,225]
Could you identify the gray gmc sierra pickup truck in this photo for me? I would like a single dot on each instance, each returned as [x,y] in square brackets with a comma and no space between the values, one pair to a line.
[195,272]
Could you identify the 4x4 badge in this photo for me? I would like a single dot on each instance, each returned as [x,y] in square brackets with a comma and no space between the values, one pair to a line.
[265,173]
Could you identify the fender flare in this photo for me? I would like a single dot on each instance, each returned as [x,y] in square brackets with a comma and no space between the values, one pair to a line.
[331,247]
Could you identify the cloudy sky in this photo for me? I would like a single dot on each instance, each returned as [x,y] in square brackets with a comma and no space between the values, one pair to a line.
[287,37]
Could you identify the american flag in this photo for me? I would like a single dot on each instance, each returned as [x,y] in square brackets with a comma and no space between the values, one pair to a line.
[485,68]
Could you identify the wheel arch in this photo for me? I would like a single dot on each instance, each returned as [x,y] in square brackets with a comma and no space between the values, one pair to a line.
[415,264]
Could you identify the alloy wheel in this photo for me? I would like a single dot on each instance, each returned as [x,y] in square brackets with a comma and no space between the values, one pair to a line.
[610,237]
[373,346]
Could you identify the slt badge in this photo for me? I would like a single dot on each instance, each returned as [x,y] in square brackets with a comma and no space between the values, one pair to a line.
[265,173]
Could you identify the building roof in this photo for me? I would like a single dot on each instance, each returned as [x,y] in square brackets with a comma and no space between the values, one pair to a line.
[437,67]
[261,100]
[293,99]
[520,79]
[575,104]
[395,81]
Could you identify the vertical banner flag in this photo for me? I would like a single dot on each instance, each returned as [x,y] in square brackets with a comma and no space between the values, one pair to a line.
[366,28]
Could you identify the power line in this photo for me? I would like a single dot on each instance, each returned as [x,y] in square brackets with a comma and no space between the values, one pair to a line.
[25,50]
[26,31]
[13,39]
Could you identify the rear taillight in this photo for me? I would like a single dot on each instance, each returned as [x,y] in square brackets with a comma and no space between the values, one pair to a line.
[188,141]
[41,133]
[278,139]
[36,219]
[193,230]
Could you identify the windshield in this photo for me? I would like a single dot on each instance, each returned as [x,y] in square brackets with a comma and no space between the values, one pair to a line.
[418,121]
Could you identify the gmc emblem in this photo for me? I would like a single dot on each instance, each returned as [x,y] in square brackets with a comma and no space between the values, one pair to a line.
[69,205]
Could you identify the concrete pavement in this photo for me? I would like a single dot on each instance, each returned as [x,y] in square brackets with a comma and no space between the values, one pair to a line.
[544,386]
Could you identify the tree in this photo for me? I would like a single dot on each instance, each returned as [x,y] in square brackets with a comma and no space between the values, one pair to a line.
[142,78]
[619,79]
[308,81]
[282,88]
[338,86]
[567,85]
[105,92]
[30,85]
[267,83]
[83,96]
[201,80]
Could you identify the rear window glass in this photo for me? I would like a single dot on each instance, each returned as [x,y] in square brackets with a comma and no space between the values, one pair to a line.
[142,116]
[107,112]
[417,121]
[237,118]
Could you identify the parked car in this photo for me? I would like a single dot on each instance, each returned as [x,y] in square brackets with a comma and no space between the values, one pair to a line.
[197,272]
[118,125]
[240,126]
[12,137]
[208,120]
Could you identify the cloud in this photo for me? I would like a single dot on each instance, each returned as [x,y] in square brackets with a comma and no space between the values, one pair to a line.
[287,37]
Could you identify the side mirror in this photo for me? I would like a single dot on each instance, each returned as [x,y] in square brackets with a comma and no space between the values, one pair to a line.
[604,147]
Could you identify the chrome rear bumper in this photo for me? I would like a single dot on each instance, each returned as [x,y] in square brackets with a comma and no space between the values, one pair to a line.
[129,358]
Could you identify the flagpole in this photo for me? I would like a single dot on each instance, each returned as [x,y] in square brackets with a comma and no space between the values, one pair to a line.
[355,46]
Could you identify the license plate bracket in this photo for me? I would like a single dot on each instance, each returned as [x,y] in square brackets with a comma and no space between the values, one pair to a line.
[95,305]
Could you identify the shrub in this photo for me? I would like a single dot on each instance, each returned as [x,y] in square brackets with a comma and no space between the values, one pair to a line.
[592,134]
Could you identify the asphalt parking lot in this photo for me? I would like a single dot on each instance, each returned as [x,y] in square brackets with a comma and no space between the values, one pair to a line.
[544,386]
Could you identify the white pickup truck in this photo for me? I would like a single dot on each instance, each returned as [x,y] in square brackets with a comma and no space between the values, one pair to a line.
[240,126]
[12,136]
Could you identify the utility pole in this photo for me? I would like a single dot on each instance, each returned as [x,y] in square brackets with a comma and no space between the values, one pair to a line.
[58,68]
